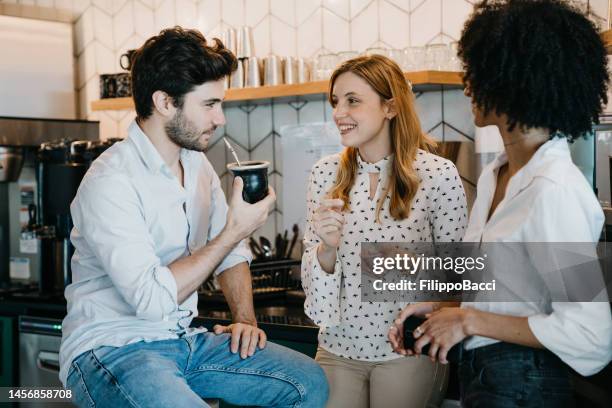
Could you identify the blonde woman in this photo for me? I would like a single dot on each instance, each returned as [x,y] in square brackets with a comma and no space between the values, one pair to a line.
[385,186]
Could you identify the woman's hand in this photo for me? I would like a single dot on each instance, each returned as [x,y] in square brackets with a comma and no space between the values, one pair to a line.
[396,331]
[442,330]
[328,222]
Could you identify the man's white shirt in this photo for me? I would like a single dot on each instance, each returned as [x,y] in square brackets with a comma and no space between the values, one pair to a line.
[132,218]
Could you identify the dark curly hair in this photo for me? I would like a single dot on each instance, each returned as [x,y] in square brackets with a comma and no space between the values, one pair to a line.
[540,62]
[176,61]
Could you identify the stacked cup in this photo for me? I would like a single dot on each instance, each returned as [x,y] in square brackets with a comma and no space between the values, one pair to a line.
[241,44]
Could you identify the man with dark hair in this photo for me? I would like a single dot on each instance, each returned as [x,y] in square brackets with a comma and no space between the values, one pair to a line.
[150,225]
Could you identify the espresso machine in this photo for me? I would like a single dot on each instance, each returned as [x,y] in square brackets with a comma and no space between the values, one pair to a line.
[62,164]
[42,162]
[61,167]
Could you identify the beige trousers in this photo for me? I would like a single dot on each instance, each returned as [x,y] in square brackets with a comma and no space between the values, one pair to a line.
[406,382]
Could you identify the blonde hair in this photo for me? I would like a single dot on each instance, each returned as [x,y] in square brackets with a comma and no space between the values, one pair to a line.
[388,80]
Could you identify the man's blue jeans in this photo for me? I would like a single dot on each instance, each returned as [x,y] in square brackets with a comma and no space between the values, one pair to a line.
[181,372]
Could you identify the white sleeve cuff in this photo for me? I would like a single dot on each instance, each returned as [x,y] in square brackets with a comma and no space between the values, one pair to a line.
[585,346]
[167,305]
[322,302]
[239,254]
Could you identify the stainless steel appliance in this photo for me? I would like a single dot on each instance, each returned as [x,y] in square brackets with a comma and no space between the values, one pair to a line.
[8,348]
[39,344]
[20,139]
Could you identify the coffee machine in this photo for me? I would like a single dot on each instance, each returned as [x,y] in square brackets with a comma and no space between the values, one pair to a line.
[62,164]
[61,167]
[40,170]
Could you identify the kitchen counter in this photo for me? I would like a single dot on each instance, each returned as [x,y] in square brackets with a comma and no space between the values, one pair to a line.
[281,317]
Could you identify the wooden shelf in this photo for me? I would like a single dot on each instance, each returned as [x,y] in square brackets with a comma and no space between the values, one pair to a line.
[421,81]
[606,36]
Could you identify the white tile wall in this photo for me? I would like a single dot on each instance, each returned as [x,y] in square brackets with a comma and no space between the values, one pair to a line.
[236,125]
[429,107]
[78,7]
[165,14]
[426,22]
[304,9]
[357,6]
[313,111]
[186,13]
[118,5]
[104,59]
[278,153]
[284,40]
[104,29]
[336,32]
[124,23]
[458,112]
[338,7]
[232,12]
[86,65]
[403,5]
[309,34]
[264,151]
[454,14]
[394,25]
[262,38]
[104,4]
[144,20]
[255,11]
[284,115]
[260,124]
[284,10]
[209,15]
[84,30]
[364,25]
[276,181]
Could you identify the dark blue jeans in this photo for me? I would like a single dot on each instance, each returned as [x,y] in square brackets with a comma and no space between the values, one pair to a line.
[505,375]
[181,372]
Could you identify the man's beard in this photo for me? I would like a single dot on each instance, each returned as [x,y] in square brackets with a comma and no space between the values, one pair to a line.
[184,133]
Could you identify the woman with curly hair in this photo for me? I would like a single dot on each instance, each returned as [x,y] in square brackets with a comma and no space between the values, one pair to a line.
[537,70]
[385,186]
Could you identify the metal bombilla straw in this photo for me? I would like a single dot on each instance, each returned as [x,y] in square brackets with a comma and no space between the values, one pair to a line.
[231,149]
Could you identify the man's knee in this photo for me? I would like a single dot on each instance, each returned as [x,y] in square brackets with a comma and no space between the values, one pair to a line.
[314,382]
[317,389]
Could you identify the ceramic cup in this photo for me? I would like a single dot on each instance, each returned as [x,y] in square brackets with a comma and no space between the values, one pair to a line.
[254,174]
[126,60]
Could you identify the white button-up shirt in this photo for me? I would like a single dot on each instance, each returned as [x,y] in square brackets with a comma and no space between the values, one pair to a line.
[132,218]
[548,200]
